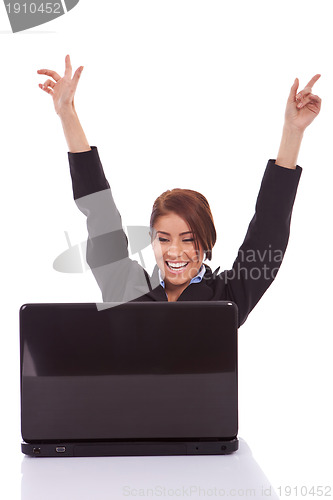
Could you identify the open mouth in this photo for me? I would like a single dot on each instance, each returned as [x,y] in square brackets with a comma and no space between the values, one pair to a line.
[177,266]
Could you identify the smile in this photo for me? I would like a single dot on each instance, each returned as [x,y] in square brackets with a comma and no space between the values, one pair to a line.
[176,266]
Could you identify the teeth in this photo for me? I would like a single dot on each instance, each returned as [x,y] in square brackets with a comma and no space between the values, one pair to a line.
[177,265]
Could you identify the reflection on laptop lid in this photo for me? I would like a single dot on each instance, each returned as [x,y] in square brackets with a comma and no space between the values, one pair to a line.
[150,378]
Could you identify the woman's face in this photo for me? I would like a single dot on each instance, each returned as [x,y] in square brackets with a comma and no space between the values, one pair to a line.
[174,248]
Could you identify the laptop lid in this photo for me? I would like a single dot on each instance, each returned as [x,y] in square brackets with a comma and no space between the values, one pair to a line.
[138,371]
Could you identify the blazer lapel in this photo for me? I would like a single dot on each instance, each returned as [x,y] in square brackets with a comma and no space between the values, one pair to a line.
[199,291]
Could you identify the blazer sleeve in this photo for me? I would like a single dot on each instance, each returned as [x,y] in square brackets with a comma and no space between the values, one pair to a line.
[260,256]
[120,278]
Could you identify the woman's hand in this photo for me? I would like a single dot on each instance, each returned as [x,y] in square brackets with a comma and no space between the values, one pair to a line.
[62,89]
[302,108]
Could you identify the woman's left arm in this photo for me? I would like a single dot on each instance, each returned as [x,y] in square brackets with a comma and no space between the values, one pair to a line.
[301,110]
[260,256]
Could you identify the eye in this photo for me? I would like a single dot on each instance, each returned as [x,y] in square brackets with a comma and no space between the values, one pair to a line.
[188,240]
[162,240]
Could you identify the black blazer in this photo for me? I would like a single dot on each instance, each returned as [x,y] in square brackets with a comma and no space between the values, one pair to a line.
[122,279]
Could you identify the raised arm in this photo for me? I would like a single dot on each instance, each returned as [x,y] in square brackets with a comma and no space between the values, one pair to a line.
[262,251]
[120,279]
[62,91]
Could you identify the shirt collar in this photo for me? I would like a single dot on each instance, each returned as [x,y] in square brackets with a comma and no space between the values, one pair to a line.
[196,278]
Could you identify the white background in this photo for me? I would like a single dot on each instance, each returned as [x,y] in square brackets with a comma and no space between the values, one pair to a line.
[181,94]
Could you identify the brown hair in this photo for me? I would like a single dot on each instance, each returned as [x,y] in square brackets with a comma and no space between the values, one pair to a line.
[194,209]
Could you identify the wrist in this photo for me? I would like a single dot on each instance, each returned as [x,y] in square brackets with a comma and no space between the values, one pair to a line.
[290,130]
[67,112]
[289,147]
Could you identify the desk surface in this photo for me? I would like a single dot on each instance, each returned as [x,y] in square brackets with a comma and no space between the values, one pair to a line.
[236,475]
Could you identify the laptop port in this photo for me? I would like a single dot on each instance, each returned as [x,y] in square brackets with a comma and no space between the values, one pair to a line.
[36,451]
[60,449]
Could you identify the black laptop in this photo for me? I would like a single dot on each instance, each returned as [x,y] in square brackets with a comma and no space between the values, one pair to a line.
[149,378]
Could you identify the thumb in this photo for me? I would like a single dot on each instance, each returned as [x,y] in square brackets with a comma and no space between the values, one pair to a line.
[293,91]
[77,75]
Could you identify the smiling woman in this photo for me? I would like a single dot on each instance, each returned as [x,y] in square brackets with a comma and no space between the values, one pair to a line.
[183,235]
[182,227]
[192,207]
[176,253]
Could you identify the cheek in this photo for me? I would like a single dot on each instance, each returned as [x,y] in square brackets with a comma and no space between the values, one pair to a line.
[196,255]
[157,249]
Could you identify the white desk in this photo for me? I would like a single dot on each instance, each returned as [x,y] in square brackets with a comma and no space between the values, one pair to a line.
[105,478]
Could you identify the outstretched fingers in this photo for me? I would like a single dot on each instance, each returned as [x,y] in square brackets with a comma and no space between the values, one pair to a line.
[76,76]
[313,81]
[49,72]
[293,90]
[308,88]
[68,67]
[62,89]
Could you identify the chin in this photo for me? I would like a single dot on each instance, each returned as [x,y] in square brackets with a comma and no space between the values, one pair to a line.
[177,280]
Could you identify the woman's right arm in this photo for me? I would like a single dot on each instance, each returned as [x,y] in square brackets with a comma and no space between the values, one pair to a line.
[62,90]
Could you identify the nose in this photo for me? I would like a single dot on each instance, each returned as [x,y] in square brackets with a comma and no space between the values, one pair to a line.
[175,251]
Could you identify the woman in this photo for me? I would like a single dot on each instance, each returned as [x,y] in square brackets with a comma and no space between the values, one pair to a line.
[182,227]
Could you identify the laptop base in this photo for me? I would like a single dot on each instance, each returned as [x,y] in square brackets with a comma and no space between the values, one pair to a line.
[144,448]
